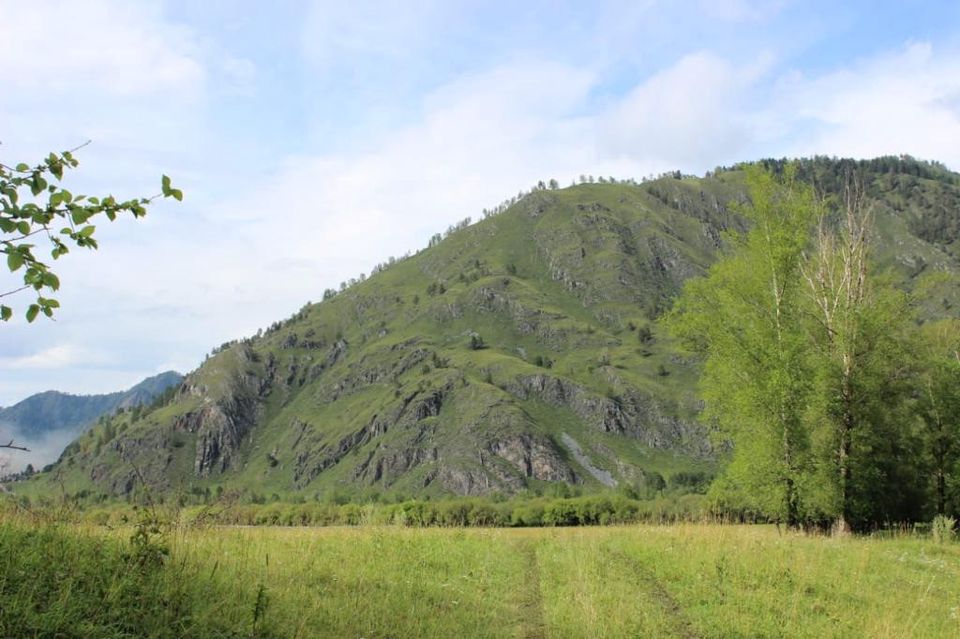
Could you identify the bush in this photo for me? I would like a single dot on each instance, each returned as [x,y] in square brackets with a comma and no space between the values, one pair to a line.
[527,514]
[943,529]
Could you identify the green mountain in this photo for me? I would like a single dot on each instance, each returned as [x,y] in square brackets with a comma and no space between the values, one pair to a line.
[513,352]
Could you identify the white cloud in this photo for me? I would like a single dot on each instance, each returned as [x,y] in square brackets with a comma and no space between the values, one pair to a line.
[168,288]
[121,48]
[335,33]
[480,139]
[740,10]
[59,356]
[689,114]
[898,102]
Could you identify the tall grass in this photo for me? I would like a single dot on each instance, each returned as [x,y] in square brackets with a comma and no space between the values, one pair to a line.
[683,580]
[64,580]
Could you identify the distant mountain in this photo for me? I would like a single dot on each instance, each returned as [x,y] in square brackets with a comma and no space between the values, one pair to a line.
[38,415]
[510,354]
[46,422]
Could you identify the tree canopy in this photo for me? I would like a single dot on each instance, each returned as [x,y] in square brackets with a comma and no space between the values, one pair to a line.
[837,406]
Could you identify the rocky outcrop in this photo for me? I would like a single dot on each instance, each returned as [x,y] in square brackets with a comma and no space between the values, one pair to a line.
[406,416]
[602,476]
[222,420]
[631,414]
[534,458]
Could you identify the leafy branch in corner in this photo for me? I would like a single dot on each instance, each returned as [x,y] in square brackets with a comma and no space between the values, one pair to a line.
[35,207]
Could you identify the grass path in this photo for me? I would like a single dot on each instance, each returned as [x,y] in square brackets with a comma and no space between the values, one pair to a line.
[647,580]
[532,622]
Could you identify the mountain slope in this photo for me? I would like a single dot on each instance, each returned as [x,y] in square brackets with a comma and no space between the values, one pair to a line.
[516,351]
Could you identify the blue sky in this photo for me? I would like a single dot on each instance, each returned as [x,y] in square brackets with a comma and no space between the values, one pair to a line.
[315,139]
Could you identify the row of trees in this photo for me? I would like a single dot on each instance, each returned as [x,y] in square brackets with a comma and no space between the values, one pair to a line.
[840,406]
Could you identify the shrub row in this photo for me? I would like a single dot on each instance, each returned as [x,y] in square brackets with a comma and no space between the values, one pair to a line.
[577,511]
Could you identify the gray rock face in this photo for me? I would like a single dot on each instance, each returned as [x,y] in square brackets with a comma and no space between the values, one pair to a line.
[534,458]
[220,429]
[603,476]
[226,414]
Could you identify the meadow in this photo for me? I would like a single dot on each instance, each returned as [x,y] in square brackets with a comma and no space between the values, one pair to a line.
[680,580]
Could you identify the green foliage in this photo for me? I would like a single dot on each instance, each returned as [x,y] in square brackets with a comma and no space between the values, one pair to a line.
[746,319]
[811,366]
[688,579]
[149,547]
[34,205]
[57,581]
[939,410]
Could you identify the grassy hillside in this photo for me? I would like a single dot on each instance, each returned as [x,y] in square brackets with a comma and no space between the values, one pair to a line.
[518,351]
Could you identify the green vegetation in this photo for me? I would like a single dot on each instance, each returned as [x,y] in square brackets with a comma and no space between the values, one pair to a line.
[814,363]
[460,422]
[667,581]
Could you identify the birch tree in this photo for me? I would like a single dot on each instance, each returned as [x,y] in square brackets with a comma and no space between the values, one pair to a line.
[745,317]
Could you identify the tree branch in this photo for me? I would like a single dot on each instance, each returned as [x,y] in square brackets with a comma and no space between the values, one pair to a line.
[16,290]
[14,446]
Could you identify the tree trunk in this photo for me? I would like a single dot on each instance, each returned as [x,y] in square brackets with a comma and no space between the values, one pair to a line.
[847,423]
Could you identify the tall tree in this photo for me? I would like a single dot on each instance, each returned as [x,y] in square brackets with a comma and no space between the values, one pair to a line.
[745,317]
[940,410]
[859,325]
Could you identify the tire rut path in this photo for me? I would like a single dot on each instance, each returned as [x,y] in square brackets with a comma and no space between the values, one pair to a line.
[533,623]
[649,581]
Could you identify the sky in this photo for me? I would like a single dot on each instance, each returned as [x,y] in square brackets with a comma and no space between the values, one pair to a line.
[313,140]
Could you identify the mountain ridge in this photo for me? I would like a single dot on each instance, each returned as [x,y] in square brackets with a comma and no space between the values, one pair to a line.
[55,410]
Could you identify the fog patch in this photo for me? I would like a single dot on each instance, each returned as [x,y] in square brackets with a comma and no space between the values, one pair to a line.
[43,450]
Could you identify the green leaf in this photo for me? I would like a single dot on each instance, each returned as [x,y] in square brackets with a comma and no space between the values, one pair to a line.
[51,280]
[87,231]
[22,167]
[165,185]
[14,260]
[6,313]
[177,194]
[56,166]
[79,215]
[32,312]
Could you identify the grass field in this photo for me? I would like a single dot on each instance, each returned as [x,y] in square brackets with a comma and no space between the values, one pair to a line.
[638,581]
